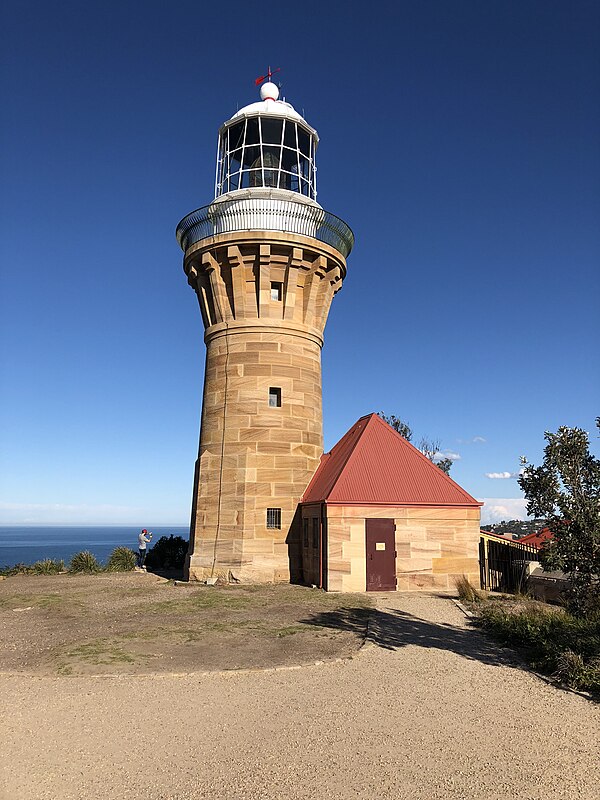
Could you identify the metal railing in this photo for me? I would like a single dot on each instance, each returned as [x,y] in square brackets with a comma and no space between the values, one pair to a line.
[503,565]
[256,213]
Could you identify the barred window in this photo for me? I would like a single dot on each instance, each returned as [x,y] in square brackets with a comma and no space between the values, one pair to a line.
[305,532]
[273,518]
[315,532]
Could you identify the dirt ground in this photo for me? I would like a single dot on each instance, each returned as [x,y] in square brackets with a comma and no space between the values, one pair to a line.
[137,623]
[429,709]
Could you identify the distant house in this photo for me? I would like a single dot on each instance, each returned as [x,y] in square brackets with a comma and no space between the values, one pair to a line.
[378,515]
[538,539]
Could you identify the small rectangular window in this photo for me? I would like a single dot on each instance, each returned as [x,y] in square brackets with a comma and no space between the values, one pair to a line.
[305,532]
[276,291]
[315,532]
[274,397]
[273,518]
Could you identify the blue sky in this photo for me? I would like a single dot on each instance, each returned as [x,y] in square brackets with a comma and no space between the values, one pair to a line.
[458,139]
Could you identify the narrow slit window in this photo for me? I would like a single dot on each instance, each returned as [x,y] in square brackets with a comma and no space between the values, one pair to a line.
[305,532]
[274,518]
[315,533]
[274,397]
[276,291]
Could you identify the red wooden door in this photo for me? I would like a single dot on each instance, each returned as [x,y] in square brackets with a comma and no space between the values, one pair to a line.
[380,535]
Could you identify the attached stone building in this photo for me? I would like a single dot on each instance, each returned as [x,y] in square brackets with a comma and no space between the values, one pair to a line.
[378,515]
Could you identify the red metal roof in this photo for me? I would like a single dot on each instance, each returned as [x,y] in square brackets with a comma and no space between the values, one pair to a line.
[373,464]
[537,539]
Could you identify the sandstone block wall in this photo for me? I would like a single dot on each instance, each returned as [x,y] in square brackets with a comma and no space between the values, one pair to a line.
[434,546]
[264,306]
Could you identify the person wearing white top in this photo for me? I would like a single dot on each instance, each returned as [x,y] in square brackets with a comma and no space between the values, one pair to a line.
[143,540]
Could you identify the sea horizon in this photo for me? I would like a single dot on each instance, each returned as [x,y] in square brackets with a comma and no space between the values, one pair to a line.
[21,543]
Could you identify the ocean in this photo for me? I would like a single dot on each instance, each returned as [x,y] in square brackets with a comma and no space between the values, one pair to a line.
[21,544]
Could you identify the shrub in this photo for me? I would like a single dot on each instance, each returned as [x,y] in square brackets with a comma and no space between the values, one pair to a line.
[84,562]
[16,569]
[48,567]
[169,552]
[122,559]
[552,640]
[466,591]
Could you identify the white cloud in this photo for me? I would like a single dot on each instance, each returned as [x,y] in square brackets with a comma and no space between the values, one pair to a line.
[479,439]
[496,509]
[503,475]
[474,440]
[446,454]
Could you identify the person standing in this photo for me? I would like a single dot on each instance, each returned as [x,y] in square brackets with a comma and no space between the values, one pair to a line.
[143,540]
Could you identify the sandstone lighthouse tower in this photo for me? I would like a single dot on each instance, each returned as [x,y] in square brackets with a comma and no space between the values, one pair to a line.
[265,260]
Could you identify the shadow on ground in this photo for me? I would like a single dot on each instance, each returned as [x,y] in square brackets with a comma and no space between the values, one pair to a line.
[393,629]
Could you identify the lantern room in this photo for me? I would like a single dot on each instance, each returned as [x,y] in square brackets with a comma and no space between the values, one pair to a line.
[267,145]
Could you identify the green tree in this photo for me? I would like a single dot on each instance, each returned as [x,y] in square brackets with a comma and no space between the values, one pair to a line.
[565,492]
[429,447]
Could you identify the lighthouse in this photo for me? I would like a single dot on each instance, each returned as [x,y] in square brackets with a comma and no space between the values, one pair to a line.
[265,260]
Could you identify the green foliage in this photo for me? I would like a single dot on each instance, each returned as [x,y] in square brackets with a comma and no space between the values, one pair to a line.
[16,569]
[397,424]
[565,492]
[466,591]
[552,640]
[444,464]
[122,559]
[168,553]
[84,562]
[48,567]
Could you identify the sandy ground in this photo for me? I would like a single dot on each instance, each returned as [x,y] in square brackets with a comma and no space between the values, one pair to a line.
[430,709]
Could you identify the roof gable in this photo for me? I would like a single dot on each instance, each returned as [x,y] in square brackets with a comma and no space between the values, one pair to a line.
[373,464]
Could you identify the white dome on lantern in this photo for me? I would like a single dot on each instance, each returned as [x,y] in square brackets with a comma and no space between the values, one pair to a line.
[271,105]
[269,91]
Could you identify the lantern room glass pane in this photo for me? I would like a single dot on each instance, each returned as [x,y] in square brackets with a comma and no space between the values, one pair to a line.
[236,136]
[285,180]
[270,163]
[289,159]
[252,156]
[303,142]
[289,135]
[235,161]
[252,178]
[271,130]
[252,136]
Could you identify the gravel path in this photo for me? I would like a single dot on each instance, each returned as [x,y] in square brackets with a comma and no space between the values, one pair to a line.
[429,709]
